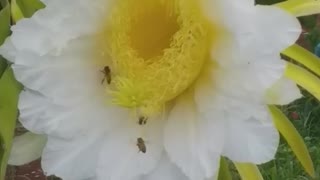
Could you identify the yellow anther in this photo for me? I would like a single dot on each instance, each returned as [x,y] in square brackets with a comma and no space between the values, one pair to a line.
[156,49]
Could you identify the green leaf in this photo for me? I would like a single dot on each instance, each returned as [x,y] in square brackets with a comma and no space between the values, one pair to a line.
[292,136]
[3,3]
[248,171]
[9,93]
[224,171]
[304,57]
[16,11]
[4,21]
[3,65]
[300,7]
[304,78]
[2,149]
[4,30]
[267,2]
[29,7]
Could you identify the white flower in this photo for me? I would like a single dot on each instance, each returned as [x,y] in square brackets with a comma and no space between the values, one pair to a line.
[151,90]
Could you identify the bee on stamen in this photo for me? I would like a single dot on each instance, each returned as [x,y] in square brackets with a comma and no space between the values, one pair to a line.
[142,120]
[107,75]
[141,145]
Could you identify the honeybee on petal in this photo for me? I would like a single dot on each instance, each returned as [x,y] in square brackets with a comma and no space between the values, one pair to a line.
[143,120]
[107,75]
[141,145]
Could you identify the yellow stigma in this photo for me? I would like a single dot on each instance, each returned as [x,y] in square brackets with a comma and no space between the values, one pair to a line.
[155,50]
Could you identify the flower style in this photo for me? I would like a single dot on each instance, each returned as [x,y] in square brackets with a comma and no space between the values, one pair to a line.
[150,90]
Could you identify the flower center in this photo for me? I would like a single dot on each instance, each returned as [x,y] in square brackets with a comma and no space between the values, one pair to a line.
[152,29]
[155,50]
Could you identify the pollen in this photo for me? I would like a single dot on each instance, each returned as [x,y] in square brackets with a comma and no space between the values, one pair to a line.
[155,49]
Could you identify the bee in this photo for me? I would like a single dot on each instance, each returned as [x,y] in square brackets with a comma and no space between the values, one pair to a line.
[143,120]
[141,145]
[107,74]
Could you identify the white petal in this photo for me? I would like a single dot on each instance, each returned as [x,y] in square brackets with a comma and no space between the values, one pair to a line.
[66,79]
[283,92]
[166,171]
[7,50]
[40,115]
[26,148]
[121,159]
[188,141]
[75,133]
[252,140]
[72,159]
[248,81]
[252,32]
[267,37]
[49,32]
[250,135]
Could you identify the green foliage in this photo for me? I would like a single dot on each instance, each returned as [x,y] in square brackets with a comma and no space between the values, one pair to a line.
[9,93]
[2,149]
[268,2]
[4,138]
[4,30]
[312,30]
[4,21]
[304,114]
[9,88]
[304,57]
[224,171]
[293,138]
[248,171]
[28,7]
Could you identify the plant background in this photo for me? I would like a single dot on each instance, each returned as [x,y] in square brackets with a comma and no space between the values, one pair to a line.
[304,113]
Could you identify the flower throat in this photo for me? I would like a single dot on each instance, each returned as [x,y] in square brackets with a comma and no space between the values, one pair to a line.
[155,50]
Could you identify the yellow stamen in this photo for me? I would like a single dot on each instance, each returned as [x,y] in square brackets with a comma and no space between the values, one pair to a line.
[156,49]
